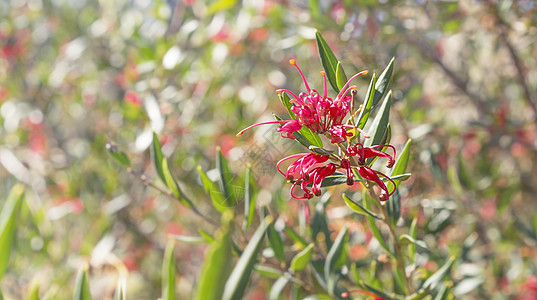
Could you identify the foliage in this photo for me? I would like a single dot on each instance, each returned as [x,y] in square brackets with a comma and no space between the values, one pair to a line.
[119,120]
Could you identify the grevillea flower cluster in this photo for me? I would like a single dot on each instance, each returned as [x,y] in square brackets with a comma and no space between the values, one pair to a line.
[333,118]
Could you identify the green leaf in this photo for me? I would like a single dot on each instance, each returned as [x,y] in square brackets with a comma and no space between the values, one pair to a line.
[339,178]
[276,243]
[393,208]
[33,293]
[168,272]
[418,295]
[217,198]
[157,156]
[226,184]
[374,229]
[381,85]
[357,208]
[437,277]
[335,179]
[368,104]
[301,260]
[381,293]
[312,137]
[331,259]
[206,235]
[328,60]
[285,101]
[268,271]
[305,136]
[341,78]
[377,129]
[299,241]
[320,151]
[278,286]
[400,165]
[82,291]
[249,198]
[118,155]
[8,218]
[217,264]
[169,180]
[407,239]
[174,187]
[237,281]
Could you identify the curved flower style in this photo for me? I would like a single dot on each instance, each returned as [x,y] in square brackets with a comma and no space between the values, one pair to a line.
[321,114]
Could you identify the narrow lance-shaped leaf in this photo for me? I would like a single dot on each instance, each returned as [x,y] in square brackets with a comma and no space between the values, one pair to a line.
[374,229]
[8,217]
[312,137]
[407,239]
[363,116]
[278,286]
[168,272]
[226,184]
[437,277]
[217,264]
[276,243]
[268,271]
[305,136]
[217,198]
[381,85]
[249,198]
[299,241]
[400,165]
[237,281]
[82,291]
[157,156]
[380,123]
[301,260]
[357,208]
[287,104]
[328,60]
[341,78]
[331,258]
[118,155]
[174,187]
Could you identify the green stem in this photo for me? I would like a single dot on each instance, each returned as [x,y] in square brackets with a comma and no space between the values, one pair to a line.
[398,253]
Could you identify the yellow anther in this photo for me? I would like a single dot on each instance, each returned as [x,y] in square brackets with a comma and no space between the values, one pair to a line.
[353,87]
[323,73]
[279,91]
[292,61]
[365,72]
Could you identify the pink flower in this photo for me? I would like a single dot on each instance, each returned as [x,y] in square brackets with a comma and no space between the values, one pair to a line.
[362,153]
[309,168]
[321,114]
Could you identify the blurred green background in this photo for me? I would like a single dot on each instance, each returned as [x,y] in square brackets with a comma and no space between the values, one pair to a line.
[75,75]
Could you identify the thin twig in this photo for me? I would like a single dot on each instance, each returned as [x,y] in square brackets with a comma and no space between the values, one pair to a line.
[168,193]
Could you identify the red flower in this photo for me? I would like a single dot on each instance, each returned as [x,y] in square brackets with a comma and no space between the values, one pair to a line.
[321,114]
[362,153]
[310,168]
